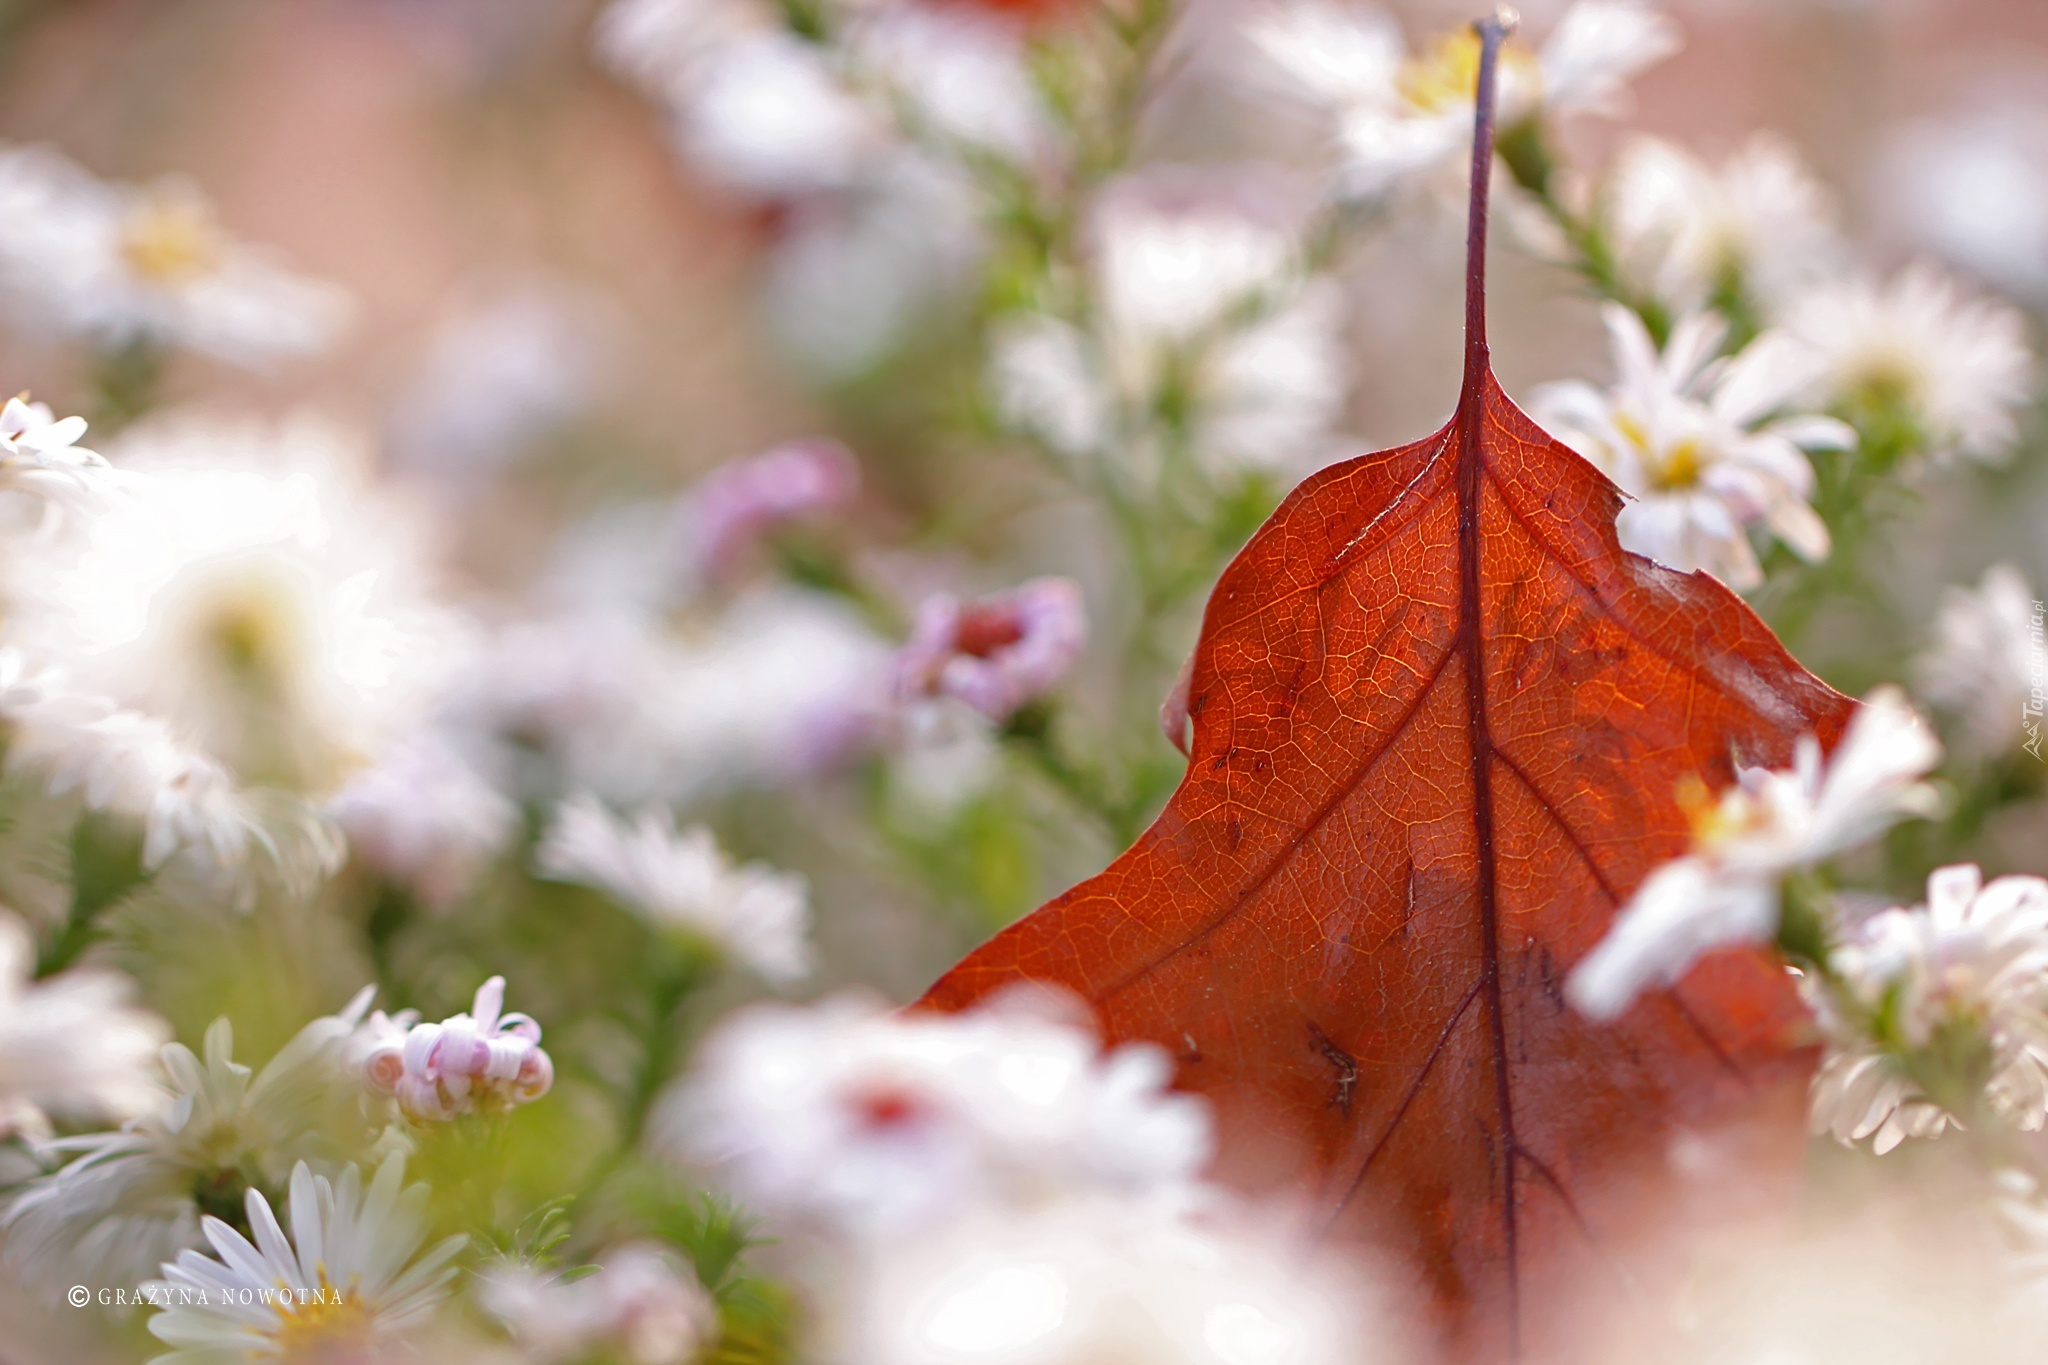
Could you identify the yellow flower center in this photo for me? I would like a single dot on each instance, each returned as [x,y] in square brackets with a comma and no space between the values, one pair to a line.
[1680,466]
[1716,822]
[320,1325]
[1447,78]
[170,238]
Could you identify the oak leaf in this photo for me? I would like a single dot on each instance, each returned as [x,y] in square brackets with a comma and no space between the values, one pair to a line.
[1440,725]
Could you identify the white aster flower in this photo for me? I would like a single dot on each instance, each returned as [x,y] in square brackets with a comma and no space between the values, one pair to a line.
[425,818]
[1400,116]
[40,456]
[127,1200]
[1973,959]
[1954,367]
[1686,234]
[960,75]
[1209,338]
[255,592]
[1972,185]
[683,881]
[641,1306]
[874,1122]
[121,265]
[1982,665]
[1706,447]
[1769,824]
[71,1044]
[347,1283]
[1099,1279]
[485,1061]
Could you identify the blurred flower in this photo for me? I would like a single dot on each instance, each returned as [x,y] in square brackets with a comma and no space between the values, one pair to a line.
[40,455]
[1972,185]
[480,1062]
[783,684]
[1971,963]
[255,591]
[345,1285]
[1769,824]
[640,1307]
[1982,664]
[126,1201]
[958,73]
[424,818]
[122,265]
[683,882]
[1399,116]
[876,1122]
[1692,237]
[998,652]
[1704,446]
[70,1044]
[497,378]
[1097,1279]
[1955,369]
[1210,345]
[738,503]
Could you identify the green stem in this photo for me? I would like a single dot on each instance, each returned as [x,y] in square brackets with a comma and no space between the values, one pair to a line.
[106,864]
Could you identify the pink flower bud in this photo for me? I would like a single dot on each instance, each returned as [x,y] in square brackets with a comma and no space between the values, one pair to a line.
[995,653]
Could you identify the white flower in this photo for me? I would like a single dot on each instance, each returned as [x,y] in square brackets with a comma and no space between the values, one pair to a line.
[481,1062]
[1705,446]
[1768,824]
[125,1201]
[1685,234]
[961,73]
[1972,185]
[41,456]
[1974,957]
[1205,315]
[350,1279]
[1400,115]
[425,818]
[783,684]
[1957,368]
[876,1123]
[120,265]
[1982,664]
[254,591]
[70,1044]
[641,1303]
[683,881]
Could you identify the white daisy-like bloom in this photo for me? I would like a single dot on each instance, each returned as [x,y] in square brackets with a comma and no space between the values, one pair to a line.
[125,1201]
[1204,314]
[871,1123]
[783,684]
[120,264]
[683,881]
[641,1306]
[72,1044]
[1770,823]
[1974,957]
[1706,447]
[40,456]
[1095,1279]
[1956,367]
[1683,232]
[349,1281]
[425,818]
[1399,116]
[1982,664]
[256,592]
[485,1061]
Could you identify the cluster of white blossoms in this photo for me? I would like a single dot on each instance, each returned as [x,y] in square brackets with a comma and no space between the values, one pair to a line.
[483,1062]
[122,265]
[1964,978]
[1746,841]
[639,1306]
[683,883]
[994,1186]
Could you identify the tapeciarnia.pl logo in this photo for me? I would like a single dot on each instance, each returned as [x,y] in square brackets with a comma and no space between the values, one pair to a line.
[2037,681]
